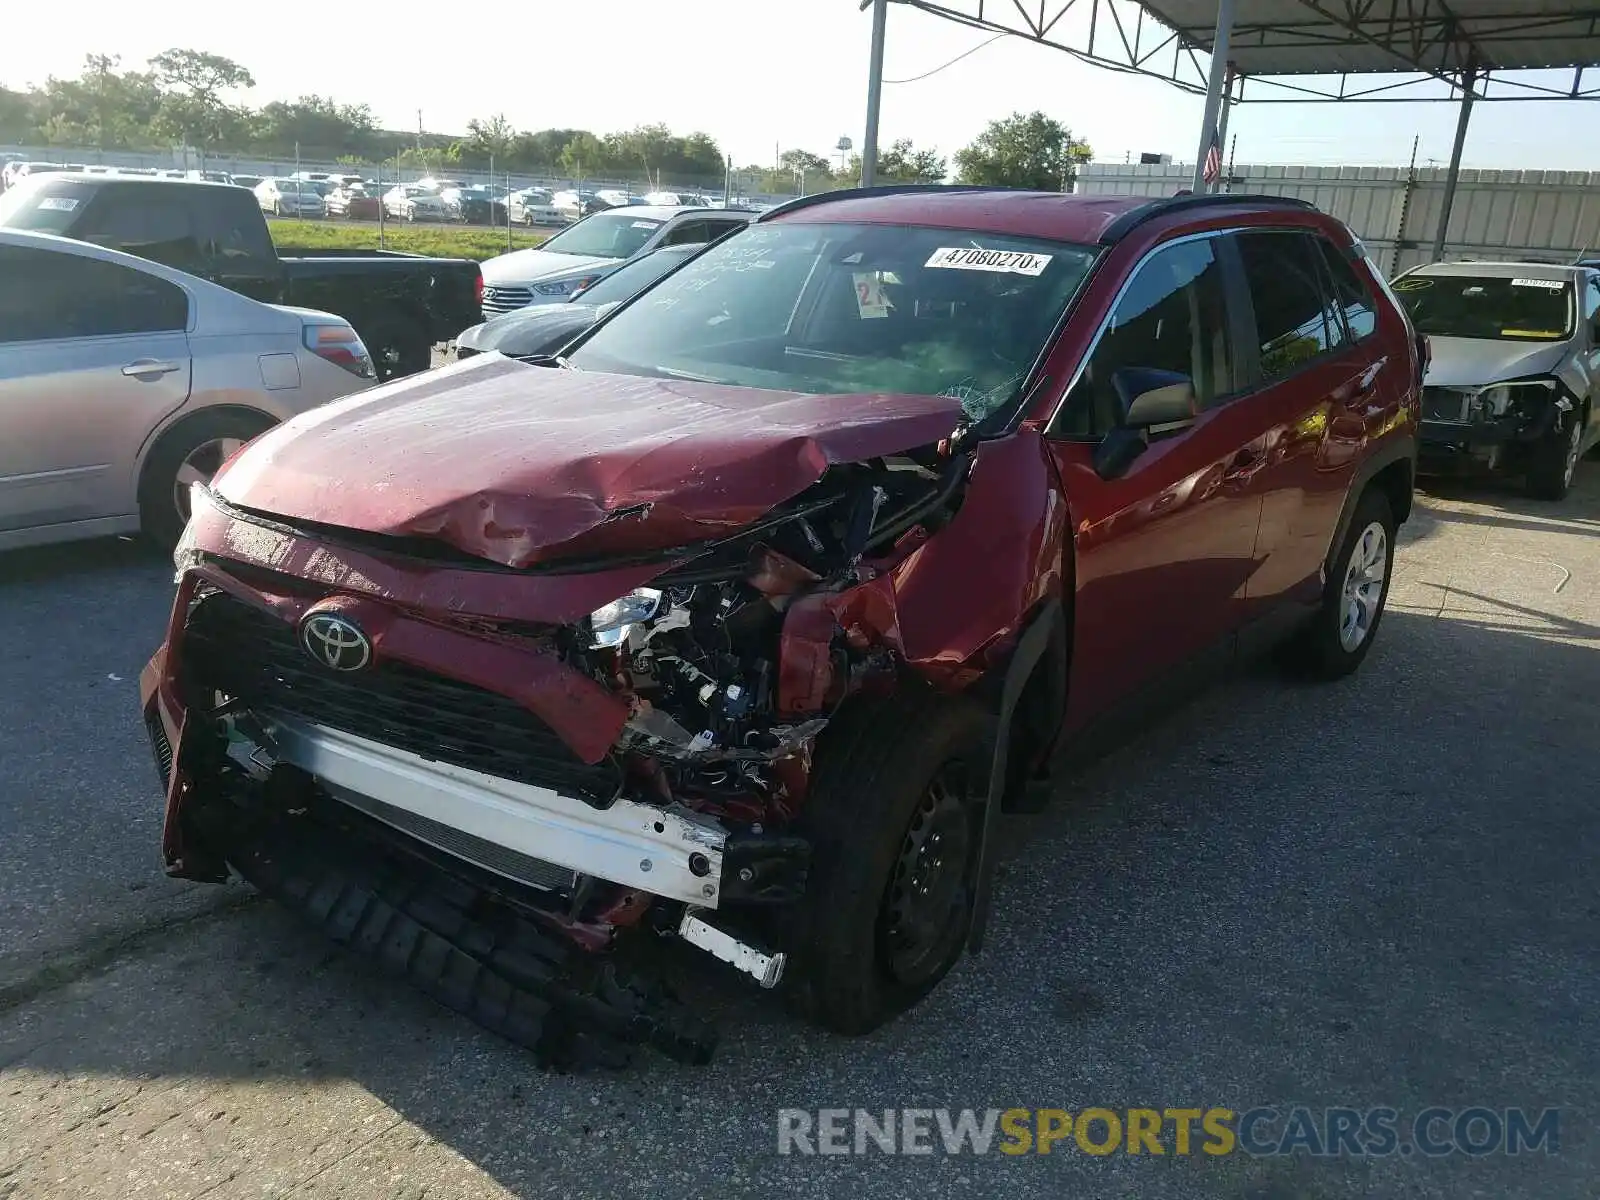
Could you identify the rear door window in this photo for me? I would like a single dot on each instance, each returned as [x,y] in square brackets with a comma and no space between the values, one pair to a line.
[49,295]
[689,233]
[1349,293]
[1295,320]
[153,223]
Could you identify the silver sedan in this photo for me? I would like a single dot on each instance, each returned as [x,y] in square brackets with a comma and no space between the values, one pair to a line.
[122,382]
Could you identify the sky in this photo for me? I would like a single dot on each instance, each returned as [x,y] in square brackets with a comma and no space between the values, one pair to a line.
[758,75]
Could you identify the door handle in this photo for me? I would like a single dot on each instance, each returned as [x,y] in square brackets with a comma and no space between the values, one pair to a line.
[149,368]
[1244,464]
[1368,380]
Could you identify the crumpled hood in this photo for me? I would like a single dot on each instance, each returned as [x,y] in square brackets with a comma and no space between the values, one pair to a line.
[535,266]
[522,464]
[1477,362]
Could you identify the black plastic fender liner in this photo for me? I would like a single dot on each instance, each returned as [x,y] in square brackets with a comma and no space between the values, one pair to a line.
[1031,647]
[456,944]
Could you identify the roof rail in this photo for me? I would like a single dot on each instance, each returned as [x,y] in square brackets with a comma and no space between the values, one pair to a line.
[1134,217]
[885,189]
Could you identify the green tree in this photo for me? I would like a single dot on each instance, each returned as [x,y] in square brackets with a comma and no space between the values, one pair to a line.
[193,110]
[795,161]
[902,163]
[16,115]
[318,126]
[699,156]
[492,137]
[102,107]
[542,148]
[1024,150]
[584,154]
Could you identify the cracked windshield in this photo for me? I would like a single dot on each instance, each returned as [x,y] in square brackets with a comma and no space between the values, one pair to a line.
[851,308]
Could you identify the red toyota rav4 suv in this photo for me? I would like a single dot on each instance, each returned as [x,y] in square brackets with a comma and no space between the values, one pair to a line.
[740,621]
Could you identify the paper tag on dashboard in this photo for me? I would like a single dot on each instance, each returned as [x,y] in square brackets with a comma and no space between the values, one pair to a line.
[871,301]
[1555,285]
[58,204]
[971,258]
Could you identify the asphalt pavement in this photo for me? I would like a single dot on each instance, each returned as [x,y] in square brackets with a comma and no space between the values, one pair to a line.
[1378,893]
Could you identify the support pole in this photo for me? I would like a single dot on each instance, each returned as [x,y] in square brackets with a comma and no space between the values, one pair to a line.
[1222,128]
[869,145]
[1469,79]
[1214,89]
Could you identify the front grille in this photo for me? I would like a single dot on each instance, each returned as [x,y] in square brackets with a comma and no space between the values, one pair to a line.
[506,299]
[1445,404]
[233,648]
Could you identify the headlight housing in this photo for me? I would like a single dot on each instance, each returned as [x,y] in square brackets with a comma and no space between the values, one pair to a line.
[561,288]
[1495,401]
[609,623]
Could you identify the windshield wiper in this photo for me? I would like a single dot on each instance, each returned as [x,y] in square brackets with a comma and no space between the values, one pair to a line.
[545,360]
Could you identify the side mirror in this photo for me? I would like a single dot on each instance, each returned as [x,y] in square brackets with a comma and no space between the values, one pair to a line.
[1147,398]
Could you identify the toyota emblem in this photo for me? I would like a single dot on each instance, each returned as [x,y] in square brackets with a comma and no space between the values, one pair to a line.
[335,642]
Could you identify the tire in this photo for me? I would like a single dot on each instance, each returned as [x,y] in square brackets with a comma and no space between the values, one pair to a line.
[871,807]
[208,438]
[1328,647]
[1554,461]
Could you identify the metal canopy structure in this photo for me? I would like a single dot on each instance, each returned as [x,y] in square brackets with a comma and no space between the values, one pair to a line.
[1298,51]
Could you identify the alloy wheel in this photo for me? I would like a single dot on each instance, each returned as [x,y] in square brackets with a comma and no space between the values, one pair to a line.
[1570,467]
[1363,586]
[200,465]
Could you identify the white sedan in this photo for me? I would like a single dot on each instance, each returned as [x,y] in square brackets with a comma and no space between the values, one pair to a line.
[408,202]
[532,206]
[123,383]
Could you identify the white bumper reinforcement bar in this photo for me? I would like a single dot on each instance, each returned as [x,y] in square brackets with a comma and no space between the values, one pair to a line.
[668,853]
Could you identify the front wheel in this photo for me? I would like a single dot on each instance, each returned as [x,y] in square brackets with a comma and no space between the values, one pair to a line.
[1555,461]
[189,453]
[1353,598]
[895,826]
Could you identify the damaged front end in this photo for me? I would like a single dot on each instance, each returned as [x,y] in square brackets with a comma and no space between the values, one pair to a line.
[481,774]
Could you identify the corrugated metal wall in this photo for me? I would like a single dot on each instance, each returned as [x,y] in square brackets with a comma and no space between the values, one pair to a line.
[1547,216]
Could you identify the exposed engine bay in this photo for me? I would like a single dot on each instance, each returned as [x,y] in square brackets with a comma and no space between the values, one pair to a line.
[701,653]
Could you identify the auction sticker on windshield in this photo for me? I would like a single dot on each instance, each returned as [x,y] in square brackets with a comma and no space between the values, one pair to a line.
[871,301]
[1555,285]
[58,204]
[971,258]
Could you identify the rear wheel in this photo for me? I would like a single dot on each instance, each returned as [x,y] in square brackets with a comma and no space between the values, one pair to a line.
[1554,461]
[1353,599]
[895,831]
[187,454]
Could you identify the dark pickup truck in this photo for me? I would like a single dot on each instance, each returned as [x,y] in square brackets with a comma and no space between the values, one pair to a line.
[400,304]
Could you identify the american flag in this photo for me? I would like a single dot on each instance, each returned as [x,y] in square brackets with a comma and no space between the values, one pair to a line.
[1212,170]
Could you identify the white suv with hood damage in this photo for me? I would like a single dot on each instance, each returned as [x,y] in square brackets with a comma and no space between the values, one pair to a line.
[594,247]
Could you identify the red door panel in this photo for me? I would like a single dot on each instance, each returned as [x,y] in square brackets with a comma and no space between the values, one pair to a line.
[1163,555]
